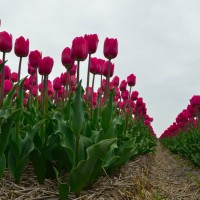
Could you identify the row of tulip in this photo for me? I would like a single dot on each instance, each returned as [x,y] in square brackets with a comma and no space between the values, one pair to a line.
[182,136]
[60,126]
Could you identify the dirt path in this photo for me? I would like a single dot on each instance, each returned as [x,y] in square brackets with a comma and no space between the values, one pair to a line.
[155,176]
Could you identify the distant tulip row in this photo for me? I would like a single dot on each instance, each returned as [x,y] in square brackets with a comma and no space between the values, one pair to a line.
[182,137]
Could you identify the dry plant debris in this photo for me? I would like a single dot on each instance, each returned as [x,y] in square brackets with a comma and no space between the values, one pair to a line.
[154,176]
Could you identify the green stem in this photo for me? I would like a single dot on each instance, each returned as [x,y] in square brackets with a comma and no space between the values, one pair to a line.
[19,69]
[2,82]
[67,85]
[93,78]
[107,82]
[88,78]
[78,66]
[77,148]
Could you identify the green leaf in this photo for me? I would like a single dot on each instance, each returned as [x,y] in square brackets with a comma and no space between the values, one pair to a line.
[2,164]
[2,65]
[80,175]
[16,164]
[8,100]
[20,99]
[78,108]
[5,134]
[63,188]
[68,139]
[39,165]
[107,111]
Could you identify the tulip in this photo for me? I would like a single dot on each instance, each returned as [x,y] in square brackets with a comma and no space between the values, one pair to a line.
[124,95]
[72,71]
[131,79]
[110,49]
[92,40]
[134,95]
[115,81]
[5,47]
[105,70]
[57,84]
[31,70]
[14,77]
[21,47]
[123,85]
[79,51]
[21,50]
[5,42]
[34,58]
[7,86]
[7,72]
[67,59]
[46,65]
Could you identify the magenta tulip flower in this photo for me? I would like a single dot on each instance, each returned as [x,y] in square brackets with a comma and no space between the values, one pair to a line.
[131,80]
[92,40]
[5,42]
[110,49]
[46,65]
[21,47]
[67,59]
[34,58]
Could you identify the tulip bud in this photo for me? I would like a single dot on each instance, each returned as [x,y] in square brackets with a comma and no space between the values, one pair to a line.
[7,86]
[123,85]
[131,79]
[92,42]
[72,71]
[115,81]
[134,95]
[14,77]
[57,84]
[31,70]
[46,65]
[34,58]
[66,58]
[5,42]
[110,48]
[7,72]
[79,49]
[21,47]
[105,69]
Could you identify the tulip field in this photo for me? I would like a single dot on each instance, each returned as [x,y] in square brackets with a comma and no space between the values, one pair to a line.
[60,126]
[182,137]
[82,138]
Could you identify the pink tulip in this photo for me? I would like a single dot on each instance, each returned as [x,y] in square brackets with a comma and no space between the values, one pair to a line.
[79,49]
[115,81]
[131,79]
[105,69]
[7,72]
[7,86]
[31,70]
[14,77]
[72,71]
[134,95]
[34,58]
[21,47]
[57,84]
[5,42]
[123,85]
[110,48]
[92,42]
[66,58]
[46,65]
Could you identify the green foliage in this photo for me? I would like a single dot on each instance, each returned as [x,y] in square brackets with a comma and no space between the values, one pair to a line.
[186,144]
[68,140]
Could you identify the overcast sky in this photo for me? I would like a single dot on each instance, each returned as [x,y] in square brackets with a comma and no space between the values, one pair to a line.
[159,42]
